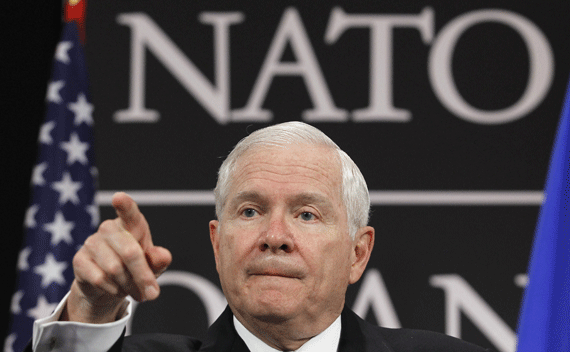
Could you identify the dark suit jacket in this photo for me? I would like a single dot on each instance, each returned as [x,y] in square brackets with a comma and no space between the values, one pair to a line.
[356,335]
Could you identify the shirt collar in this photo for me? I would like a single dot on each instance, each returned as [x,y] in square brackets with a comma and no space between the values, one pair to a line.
[325,341]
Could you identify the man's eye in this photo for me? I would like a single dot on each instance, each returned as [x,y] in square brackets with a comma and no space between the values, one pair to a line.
[249,213]
[306,216]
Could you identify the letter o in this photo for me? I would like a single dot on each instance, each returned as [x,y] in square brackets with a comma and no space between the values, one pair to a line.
[213,299]
[541,62]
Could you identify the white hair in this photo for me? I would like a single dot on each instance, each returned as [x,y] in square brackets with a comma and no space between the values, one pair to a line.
[354,190]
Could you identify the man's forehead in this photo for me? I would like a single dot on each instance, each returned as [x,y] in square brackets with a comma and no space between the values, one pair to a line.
[289,164]
[308,154]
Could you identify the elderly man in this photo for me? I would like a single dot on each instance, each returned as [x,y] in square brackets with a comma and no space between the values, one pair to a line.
[291,235]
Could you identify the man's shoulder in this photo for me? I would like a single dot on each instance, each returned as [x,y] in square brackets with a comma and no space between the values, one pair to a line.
[404,340]
[158,342]
[409,340]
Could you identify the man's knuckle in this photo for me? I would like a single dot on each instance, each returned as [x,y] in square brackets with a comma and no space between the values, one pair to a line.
[98,279]
[131,252]
[78,261]
[114,268]
[90,243]
[107,226]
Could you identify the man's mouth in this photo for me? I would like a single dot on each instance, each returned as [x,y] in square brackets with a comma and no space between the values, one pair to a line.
[274,267]
[274,273]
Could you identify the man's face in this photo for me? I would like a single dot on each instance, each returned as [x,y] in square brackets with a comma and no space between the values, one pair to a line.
[282,246]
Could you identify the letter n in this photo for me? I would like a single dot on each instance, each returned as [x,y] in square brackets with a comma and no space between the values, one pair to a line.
[147,35]
[461,297]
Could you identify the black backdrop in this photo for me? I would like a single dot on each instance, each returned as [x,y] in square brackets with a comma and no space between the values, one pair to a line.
[30,34]
[485,246]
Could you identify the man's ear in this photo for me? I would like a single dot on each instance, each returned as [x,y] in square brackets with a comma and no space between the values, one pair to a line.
[215,239]
[362,248]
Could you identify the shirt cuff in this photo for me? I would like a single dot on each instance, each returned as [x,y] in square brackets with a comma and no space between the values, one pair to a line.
[52,335]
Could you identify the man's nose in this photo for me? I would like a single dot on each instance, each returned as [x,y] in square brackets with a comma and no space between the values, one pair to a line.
[277,237]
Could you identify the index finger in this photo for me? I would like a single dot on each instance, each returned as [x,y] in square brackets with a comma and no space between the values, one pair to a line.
[131,219]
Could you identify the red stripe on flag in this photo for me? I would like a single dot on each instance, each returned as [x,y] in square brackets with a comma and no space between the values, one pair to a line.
[75,11]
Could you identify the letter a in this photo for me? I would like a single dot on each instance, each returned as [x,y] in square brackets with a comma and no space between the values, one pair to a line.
[291,31]
[373,293]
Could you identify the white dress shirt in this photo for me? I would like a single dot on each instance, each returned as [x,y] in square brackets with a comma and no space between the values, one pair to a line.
[51,335]
[326,341]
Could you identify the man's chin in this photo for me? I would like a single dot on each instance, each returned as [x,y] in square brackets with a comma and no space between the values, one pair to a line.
[269,298]
[273,287]
[273,306]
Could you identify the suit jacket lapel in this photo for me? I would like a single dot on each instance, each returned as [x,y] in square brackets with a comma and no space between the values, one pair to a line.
[356,335]
[222,336]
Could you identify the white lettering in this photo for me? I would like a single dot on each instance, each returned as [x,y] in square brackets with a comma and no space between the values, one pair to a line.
[381,106]
[292,31]
[540,59]
[215,98]
[461,297]
[213,299]
[521,280]
[373,293]
[146,34]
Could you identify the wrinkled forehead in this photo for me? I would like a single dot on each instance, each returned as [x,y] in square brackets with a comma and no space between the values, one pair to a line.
[299,160]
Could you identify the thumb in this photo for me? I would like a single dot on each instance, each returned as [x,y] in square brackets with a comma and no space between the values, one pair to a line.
[158,258]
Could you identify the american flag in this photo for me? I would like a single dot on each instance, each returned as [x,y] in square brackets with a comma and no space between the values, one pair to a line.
[62,211]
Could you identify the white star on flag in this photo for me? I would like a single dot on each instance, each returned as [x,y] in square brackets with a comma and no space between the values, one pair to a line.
[23,259]
[67,189]
[15,304]
[93,210]
[45,133]
[51,271]
[53,92]
[94,172]
[42,309]
[9,342]
[30,219]
[60,229]
[82,109]
[37,174]
[75,149]
[61,51]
